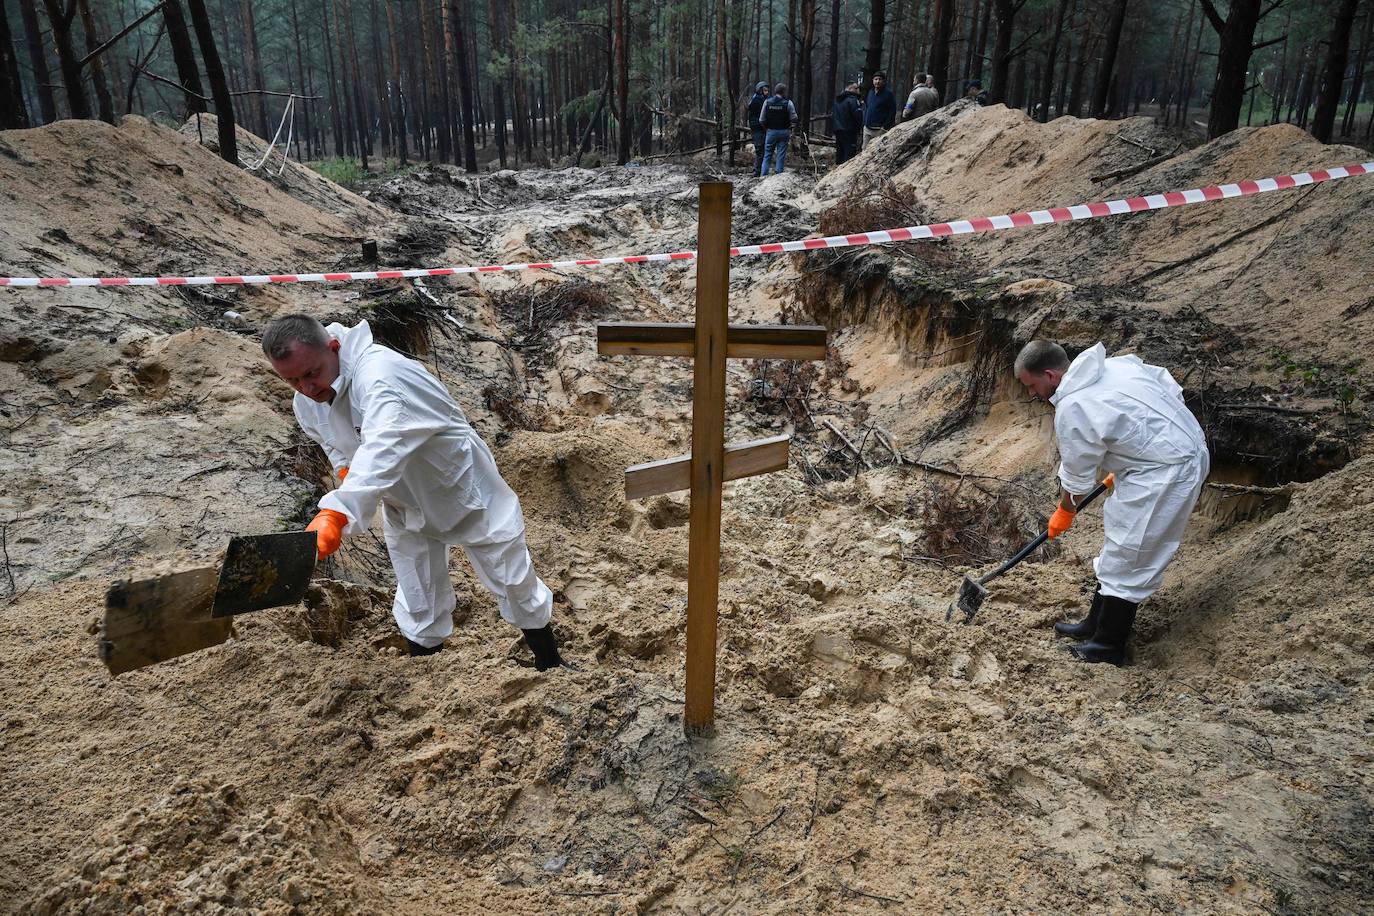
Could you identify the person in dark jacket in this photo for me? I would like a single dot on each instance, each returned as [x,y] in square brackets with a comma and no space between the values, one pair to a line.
[778,117]
[880,112]
[848,118]
[755,128]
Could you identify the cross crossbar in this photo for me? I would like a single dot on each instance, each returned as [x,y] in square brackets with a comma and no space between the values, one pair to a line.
[742,341]
[747,459]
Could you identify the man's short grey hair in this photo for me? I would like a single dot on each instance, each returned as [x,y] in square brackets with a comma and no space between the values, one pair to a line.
[289,331]
[1039,355]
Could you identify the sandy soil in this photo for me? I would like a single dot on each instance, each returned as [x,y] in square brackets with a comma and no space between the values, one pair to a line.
[869,756]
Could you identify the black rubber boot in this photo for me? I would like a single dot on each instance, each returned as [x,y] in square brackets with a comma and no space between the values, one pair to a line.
[544,647]
[1113,629]
[1087,627]
[416,649]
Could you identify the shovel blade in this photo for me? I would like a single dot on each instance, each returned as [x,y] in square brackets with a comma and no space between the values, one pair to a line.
[264,570]
[153,620]
[969,600]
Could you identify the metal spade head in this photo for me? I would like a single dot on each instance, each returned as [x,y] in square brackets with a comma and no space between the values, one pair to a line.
[970,599]
[265,570]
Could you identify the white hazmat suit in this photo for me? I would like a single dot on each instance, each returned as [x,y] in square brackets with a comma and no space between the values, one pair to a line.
[409,447]
[1122,416]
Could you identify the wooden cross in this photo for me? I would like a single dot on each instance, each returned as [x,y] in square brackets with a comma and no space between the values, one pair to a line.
[709,343]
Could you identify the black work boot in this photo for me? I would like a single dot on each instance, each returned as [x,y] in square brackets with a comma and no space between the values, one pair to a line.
[544,647]
[1087,627]
[416,649]
[1113,629]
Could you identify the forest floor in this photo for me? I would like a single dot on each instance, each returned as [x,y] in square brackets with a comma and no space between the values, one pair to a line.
[869,756]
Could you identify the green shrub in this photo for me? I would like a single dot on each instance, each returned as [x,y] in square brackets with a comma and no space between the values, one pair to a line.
[341,170]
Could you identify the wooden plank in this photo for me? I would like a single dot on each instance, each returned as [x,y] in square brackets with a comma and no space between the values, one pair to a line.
[746,459]
[153,620]
[645,338]
[743,341]
[776,341]
[708,453]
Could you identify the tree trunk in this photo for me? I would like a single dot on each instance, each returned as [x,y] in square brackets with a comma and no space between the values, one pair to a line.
[335,109]
[219,86]
[1047,75]
[1005,13]
[1237,33]
[622,84]
[257,102]
[457,21]
[355,73]
[832,65]
[1333,79]
[13,112]
[104,101]
[939,47]
[808,42]
[980,54]
[971,46]
[1102,87]
[184,54]
[1357,82]
[1086,47]
[792,47]
[877,25]
[380,82]
[38,60]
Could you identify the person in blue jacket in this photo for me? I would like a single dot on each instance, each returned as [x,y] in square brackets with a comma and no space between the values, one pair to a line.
[880,111]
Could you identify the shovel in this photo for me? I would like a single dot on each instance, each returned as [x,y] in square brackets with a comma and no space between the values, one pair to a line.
[973,592]
[153,620]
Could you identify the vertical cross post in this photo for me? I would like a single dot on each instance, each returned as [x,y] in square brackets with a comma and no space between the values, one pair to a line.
[708,342]
[708,453]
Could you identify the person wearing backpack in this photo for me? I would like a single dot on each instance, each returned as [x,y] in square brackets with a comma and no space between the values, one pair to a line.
[777,118]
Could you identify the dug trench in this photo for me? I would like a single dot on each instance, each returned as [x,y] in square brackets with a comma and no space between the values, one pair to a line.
[869,756]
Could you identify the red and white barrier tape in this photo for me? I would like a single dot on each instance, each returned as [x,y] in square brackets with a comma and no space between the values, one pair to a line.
[878,237]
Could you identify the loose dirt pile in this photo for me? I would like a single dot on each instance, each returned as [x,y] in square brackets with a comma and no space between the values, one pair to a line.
[870,756]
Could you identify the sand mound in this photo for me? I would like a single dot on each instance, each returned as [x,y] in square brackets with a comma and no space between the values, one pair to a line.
[199,848]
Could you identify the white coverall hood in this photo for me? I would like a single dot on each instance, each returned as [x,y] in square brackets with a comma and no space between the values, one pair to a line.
[410,450]
[1121,416]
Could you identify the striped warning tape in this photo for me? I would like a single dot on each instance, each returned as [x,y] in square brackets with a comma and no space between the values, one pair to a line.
[878,237]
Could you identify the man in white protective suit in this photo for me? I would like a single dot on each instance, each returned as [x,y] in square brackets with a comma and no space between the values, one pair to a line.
[396,437]
[1127,418]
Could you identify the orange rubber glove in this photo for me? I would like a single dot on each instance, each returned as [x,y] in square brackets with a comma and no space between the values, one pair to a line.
[1110,482]
[343,475]
[328,527]
[1060,522]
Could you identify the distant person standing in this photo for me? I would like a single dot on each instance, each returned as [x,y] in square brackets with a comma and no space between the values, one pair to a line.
[755,127]
[777,117]
[974,90]
[924,97]
[848,119]
[880,111]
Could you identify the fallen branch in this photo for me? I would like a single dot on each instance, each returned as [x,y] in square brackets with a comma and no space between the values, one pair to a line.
[850,445]
[859,893]
[1235,489]
[1135,169]
[1124,139]
[1213,249]
[5,551]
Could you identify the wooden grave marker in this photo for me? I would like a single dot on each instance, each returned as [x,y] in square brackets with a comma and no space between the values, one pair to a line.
[709,342]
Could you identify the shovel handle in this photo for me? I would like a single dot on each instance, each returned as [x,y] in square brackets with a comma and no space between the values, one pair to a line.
[1040,539]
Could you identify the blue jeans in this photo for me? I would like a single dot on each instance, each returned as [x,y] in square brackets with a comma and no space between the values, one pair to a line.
[775,142]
